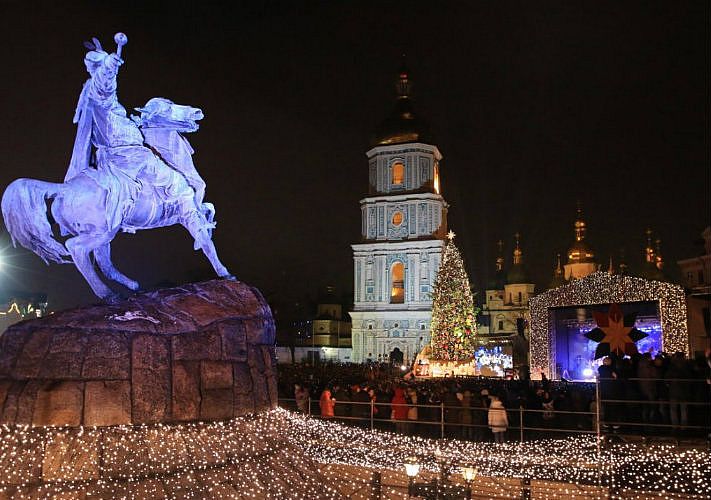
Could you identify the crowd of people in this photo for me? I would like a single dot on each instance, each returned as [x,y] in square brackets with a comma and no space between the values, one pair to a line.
[476,408]
[655,393]
[644,395]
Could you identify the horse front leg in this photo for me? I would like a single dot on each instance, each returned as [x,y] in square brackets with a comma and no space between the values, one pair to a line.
[197,226]
[103,260]
[80,247]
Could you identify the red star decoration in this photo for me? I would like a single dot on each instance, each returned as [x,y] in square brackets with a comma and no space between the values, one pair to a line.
[615,333]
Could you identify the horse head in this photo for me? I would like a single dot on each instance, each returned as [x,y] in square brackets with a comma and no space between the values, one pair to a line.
[164,113]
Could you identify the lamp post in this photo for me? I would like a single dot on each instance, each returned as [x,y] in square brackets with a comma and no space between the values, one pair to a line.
[412,468]
[469,474]
[439,487]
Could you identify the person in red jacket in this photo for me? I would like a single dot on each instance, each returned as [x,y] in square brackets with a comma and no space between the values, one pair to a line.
[399,407]
[327,403]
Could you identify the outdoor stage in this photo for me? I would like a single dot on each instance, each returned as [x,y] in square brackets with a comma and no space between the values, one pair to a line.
[562,317]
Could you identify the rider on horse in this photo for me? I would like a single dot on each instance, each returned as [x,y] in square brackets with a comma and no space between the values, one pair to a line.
[117,181]
[119,143]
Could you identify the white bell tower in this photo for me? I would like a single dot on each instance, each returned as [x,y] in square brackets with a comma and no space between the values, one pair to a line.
[403,226]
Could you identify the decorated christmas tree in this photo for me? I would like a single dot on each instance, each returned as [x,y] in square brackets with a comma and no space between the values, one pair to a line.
[453,326]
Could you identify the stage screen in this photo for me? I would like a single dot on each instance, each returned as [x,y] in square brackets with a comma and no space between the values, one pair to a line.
[492,359]
[574,352]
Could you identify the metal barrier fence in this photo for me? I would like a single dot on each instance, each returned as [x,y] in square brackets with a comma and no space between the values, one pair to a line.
[442,426]
[609,413]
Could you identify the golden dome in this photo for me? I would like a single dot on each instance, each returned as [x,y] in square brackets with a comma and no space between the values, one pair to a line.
[580,251]
[517,274]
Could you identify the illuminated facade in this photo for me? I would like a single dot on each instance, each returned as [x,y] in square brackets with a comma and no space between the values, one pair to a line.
[404,222]
[331,335]
[504,316]
[507,296]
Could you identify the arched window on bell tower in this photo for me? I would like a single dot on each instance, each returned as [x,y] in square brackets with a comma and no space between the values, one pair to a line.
[397,291]
[398,178]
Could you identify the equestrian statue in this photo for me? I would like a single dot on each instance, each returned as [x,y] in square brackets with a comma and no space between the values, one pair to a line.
[125,174]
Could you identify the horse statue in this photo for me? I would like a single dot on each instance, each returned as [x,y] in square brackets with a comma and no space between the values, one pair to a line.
[126,174]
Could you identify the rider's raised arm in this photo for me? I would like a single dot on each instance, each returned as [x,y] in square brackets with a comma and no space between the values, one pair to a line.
[103,81]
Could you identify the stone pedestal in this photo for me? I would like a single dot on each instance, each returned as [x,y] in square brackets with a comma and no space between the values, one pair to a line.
[199,352]
[159,396]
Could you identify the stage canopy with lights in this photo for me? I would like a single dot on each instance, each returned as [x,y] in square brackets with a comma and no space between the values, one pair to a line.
[574,326]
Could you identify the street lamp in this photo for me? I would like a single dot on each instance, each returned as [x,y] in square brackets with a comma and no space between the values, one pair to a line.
[412,468]
[469,474]
[441,486]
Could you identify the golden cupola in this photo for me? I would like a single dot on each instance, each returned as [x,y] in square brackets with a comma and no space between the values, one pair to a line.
[653,265]
[500,256]
[658,259]
[517,273]
[581,259]
[499,279]
[580,252]
[558,279]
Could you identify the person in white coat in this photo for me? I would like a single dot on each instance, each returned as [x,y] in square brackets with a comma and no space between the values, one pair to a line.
[498,420]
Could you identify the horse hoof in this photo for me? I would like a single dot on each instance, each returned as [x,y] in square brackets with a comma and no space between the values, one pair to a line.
[229,277]
[113,298]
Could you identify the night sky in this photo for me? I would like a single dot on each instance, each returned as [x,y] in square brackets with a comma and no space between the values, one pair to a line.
[535,106]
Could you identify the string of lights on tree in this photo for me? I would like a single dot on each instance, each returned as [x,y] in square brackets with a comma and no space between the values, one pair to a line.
[453,323]
[276,455]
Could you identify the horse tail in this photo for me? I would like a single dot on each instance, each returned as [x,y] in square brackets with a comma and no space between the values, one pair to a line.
[24,209]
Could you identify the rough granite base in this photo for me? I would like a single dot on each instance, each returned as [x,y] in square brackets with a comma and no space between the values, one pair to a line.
[158,396]
[203,351]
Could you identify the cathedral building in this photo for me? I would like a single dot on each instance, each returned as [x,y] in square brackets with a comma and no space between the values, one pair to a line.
[505,310]
[581,259]
[653,263]
[404,223]
[504,316]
